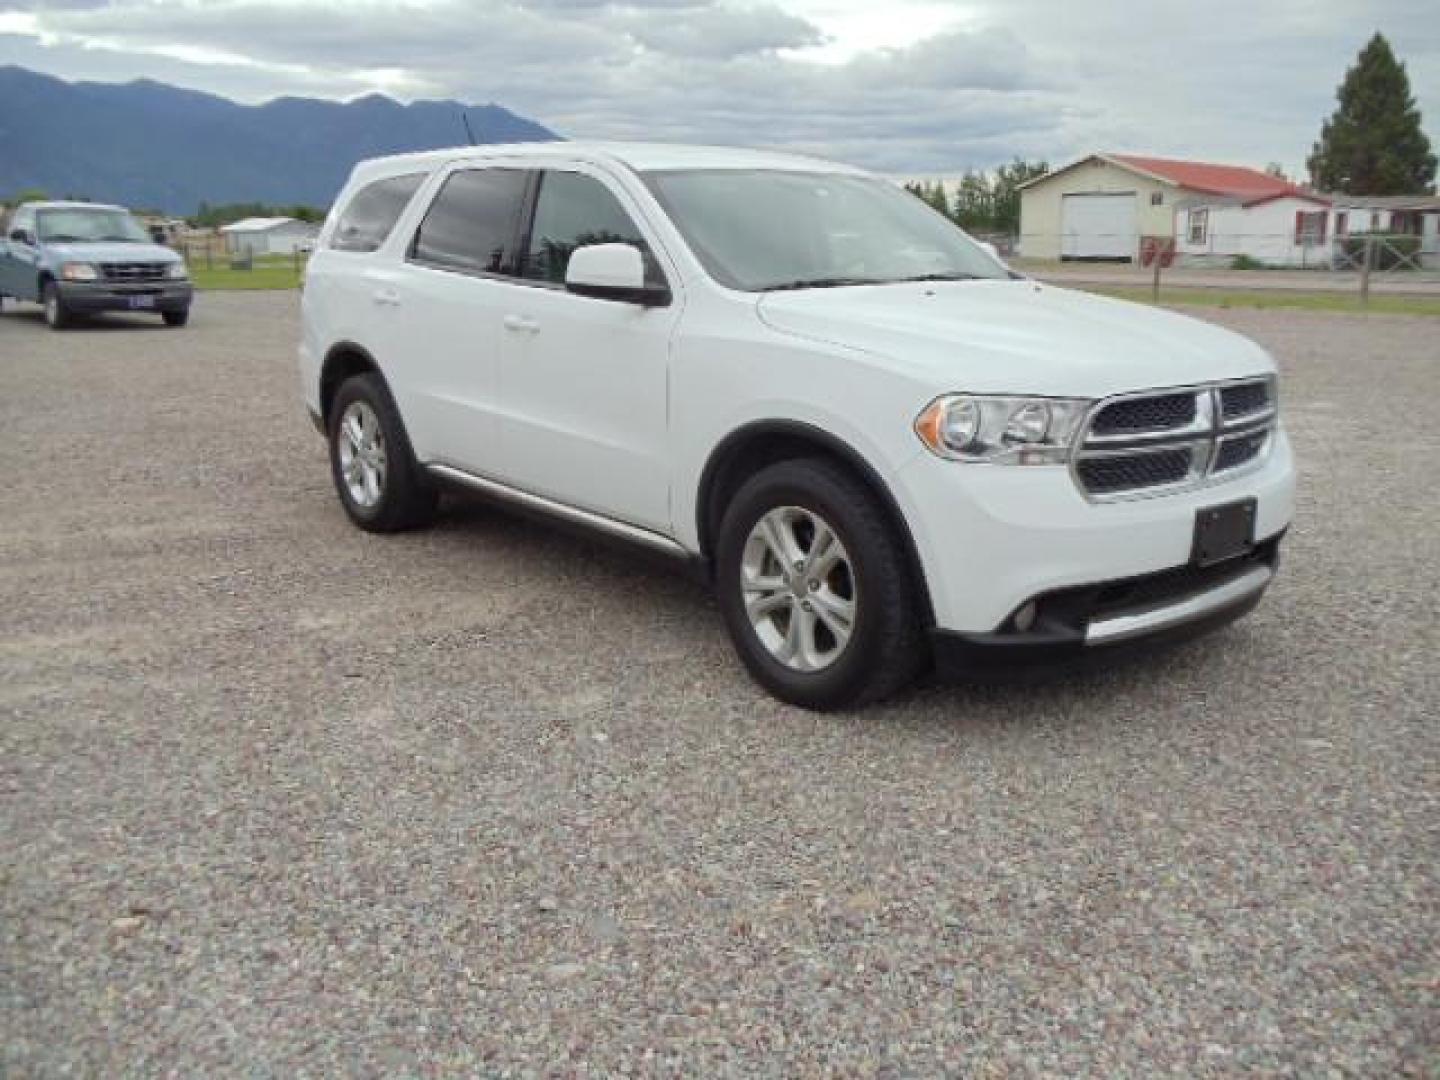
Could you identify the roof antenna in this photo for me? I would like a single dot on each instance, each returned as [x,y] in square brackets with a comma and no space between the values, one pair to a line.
[465,119]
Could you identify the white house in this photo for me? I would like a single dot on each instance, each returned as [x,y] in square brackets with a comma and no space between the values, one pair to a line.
[268,236]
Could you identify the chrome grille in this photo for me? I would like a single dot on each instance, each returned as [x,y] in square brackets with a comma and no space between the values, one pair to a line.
[133,271]
[1239,450]
[1244,399]
[1128,472]
[1167,440]
[1162,413]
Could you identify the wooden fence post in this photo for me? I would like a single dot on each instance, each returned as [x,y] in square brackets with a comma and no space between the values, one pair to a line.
[1366,263]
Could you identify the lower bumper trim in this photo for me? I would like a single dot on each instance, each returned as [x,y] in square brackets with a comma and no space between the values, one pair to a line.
[1090,635]
[1161,617]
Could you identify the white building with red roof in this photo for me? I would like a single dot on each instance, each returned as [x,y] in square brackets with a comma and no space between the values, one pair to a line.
[1104,206]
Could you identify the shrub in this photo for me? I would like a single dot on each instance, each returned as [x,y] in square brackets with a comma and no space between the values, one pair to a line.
[1245,262]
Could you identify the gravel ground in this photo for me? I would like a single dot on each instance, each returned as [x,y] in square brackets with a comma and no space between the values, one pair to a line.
[281,798]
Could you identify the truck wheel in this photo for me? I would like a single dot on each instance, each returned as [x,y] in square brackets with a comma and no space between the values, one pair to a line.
[375,472]
[57,316]
[176,318]
[815,588]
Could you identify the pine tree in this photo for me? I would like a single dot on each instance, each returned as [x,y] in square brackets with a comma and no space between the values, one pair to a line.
[1374,144]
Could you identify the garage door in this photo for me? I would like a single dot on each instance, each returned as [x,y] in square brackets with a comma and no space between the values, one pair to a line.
[1097,226]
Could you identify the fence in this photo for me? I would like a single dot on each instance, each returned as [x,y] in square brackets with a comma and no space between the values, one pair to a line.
[211,252]
[1404,262]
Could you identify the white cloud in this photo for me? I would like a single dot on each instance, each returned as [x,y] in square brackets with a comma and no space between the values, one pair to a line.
[915,86]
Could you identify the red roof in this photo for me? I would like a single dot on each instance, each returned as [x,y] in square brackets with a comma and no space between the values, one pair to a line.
[1250,186]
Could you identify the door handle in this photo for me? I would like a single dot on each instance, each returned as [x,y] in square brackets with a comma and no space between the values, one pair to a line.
[387,297]
[521,324]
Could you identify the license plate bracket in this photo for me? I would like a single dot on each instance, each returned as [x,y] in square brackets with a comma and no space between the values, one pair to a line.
[1224,532]
[141,302]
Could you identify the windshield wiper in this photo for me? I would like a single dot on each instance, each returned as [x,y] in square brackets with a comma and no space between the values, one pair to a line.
[62,238]
[820,283]
[118,240]
[952,276]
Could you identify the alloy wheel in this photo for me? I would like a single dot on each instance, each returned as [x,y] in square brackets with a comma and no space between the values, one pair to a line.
[798,587]
[361,446]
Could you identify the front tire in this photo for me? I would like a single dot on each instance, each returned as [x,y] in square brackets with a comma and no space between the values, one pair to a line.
[57,315]
[176,318]
[815,588]
[376,476]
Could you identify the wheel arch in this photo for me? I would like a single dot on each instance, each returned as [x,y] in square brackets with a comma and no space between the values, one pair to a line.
[344,359]
[763,442]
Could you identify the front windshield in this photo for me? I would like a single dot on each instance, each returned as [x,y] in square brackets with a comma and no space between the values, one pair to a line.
[769,229]
[86,223]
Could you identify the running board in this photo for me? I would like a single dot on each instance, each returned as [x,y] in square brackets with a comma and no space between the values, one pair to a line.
[573,514]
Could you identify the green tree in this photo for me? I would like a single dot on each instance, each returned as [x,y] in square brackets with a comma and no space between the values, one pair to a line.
[1374,144]
[29,195]
[974,207]
[1008,179]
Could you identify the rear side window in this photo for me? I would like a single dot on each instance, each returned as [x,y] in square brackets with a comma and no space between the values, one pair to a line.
[373,211]
[573,211]
[472,223]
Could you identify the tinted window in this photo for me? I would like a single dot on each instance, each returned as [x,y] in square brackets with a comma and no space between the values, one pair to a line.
[372,213]
[573,211]
[472,223]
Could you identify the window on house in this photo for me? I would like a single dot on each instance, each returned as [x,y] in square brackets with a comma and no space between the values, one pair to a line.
[1199,225]
[1342,224]
[1157,198]
[1309,228]
[1406,222]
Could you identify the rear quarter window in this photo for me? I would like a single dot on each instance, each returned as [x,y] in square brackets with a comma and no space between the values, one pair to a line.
[367,219]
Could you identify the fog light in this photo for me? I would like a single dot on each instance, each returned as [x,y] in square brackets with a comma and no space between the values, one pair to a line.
[1025,618]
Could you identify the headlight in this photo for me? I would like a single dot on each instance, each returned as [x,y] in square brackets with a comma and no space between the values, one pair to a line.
[78,271]
[1001,430]
[176,271]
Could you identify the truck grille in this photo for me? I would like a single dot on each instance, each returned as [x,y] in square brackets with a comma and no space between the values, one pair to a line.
[1129,472]
[133,271]
[1162,413]
[1166,440]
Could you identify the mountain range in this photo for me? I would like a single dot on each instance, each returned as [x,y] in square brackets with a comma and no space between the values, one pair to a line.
[151,145]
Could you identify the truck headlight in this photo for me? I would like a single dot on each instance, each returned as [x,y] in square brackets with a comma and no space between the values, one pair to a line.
[79,271]
[1001,430]
[176,271]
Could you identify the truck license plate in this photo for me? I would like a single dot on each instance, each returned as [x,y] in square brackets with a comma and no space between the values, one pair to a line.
[1223,532]
[142,302]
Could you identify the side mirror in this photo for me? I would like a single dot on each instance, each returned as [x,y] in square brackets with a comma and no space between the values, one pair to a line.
[20,236]
[612,272]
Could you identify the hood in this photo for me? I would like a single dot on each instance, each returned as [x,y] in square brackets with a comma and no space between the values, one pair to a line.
[1017,337]
[96,251]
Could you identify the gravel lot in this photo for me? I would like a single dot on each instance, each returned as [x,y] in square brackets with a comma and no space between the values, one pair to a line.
[281,798]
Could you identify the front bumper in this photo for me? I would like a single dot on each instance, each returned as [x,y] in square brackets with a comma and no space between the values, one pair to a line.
[92,297]
[1078,625]
[991,537]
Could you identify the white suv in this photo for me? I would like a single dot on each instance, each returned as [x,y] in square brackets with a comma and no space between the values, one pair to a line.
[882,447]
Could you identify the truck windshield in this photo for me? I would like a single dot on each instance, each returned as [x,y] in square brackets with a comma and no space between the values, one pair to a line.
[767,229]
[83,223]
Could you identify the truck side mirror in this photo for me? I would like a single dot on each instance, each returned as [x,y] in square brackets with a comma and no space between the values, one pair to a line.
[20,236]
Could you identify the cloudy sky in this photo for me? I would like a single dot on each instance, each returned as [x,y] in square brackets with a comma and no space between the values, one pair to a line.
[904,86]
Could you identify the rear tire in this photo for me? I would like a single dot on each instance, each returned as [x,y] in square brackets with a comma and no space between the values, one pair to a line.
[57,315]
[835,623]
[176,318]
[380,485]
